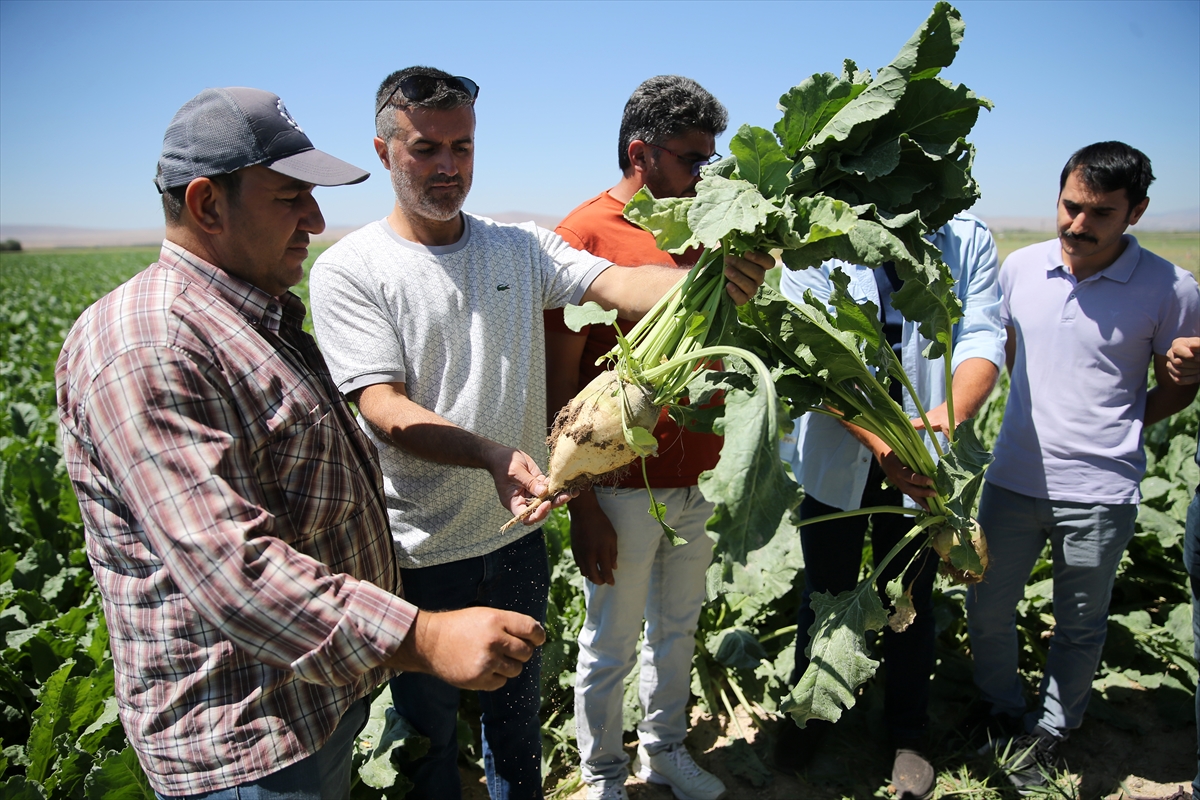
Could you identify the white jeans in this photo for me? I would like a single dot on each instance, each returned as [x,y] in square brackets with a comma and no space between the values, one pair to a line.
[663,584]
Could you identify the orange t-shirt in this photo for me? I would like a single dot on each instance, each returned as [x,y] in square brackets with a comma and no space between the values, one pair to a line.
[599,227]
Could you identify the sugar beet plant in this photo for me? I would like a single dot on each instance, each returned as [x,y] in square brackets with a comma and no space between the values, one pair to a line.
[860,168]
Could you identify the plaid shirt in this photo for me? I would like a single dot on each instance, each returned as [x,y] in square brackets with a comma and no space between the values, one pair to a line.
[235,524]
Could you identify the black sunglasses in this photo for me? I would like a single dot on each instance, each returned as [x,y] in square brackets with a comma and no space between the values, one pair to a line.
[417,88]
[693,163]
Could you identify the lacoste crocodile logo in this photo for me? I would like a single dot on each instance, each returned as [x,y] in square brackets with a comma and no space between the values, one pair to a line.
[502,287]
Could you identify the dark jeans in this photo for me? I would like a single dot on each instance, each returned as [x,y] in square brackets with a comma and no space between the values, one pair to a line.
[832,558]
[515,578]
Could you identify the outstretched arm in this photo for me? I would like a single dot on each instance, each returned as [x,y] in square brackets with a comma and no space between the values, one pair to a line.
[633,291]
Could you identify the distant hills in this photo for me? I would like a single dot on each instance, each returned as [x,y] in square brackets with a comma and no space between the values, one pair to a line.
[44,236]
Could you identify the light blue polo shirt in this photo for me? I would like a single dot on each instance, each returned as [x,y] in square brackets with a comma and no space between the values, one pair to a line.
[1072,429]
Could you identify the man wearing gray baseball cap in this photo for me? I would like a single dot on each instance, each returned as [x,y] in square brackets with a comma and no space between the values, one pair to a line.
[233,509]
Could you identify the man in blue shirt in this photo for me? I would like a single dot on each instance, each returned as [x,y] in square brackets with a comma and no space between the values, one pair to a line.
[1087,314]
[843,467]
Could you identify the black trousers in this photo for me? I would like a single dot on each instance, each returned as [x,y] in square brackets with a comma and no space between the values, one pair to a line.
[832,558]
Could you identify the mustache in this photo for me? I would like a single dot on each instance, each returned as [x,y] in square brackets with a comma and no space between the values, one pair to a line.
[1078,237]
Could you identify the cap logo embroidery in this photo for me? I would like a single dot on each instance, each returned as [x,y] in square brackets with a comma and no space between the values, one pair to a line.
[283,112]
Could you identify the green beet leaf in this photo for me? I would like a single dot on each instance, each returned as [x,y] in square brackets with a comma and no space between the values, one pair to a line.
[119,776]
[20,788]
[760,160]
[749,487]
[666,219]
[838,659]
[388,739]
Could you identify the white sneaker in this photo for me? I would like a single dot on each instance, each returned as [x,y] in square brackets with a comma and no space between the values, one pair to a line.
[607,790]
[675,768]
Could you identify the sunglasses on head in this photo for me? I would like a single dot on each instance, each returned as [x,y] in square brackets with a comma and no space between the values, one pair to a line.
[418,88]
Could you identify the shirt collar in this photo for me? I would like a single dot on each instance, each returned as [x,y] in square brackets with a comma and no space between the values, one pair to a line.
[1120,270]
[251,303]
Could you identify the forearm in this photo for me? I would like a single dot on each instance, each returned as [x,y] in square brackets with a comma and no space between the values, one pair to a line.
[564,352]
[423,433]
[1166,399]
[973,382]
[879,448]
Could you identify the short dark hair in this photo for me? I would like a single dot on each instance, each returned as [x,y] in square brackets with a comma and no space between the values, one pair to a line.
[665,107]
[1109,166]
[173,198]
[448,96]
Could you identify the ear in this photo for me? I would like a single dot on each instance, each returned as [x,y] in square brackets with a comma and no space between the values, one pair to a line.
[381,150]
[205,203]
[639,156]
[1138,210]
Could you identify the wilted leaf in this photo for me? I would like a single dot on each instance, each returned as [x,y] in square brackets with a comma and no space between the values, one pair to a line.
[387,739]
[838,659]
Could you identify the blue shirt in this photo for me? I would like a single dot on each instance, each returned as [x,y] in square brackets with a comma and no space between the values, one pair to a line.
[830,463]
[1072,428]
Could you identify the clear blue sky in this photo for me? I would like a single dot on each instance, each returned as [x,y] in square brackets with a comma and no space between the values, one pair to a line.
[86,89]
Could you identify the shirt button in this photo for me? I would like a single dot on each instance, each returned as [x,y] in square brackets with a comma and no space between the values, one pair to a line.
[864,461]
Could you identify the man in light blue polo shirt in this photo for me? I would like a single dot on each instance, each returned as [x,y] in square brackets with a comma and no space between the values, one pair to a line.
[1086,315]
[842,467]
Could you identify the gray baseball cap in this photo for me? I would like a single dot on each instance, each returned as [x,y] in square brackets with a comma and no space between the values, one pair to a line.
[223,130]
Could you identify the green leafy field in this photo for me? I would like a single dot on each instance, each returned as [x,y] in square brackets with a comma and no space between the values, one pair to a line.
[61,737]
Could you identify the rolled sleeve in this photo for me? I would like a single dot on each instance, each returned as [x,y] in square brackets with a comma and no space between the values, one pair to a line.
[980,333]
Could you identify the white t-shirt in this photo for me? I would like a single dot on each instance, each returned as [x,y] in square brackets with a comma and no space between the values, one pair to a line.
[461,327]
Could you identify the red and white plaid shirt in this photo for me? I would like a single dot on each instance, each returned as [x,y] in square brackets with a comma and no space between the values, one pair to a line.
[235,524]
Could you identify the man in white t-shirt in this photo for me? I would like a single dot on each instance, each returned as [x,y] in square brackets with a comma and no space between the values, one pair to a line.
[431,321]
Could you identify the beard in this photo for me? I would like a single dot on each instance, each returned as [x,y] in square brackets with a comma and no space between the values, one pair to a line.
[441,206]
[661,186]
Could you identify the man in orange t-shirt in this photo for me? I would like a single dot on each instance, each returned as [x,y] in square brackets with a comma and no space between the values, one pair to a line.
[668,131]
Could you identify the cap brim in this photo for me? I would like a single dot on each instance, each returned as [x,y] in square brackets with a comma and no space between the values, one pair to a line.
[318,168]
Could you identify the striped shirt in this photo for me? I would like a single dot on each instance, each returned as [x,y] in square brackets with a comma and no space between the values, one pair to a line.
[235,524]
